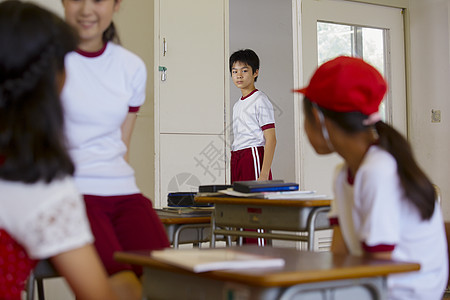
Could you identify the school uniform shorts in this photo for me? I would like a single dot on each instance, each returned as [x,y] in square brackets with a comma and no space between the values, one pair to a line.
[124,223]
[246,164]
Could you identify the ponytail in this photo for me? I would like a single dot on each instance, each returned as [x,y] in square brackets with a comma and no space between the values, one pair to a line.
[111,35]
[418,188]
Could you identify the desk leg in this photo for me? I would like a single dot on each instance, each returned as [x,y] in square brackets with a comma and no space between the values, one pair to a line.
[177,233]
[212,240]
[373,288]
[311,225]
[228,237]
[240,238]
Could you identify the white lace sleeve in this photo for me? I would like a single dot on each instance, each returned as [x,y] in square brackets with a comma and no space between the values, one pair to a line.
[59,224]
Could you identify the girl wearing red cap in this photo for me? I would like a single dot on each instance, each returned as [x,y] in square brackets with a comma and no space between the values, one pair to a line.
[384,204]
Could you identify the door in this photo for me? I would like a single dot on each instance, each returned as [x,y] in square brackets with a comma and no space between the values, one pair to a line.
[190,95]
[191,64]
[330,28]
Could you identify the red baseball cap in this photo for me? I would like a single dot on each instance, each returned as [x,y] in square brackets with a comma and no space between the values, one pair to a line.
[346,84]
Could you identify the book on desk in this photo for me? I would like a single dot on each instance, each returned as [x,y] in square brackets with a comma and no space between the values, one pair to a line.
[282,195]
[255,186]
[203,260]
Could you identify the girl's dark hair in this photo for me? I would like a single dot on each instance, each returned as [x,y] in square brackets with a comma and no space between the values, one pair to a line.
[111,35]
[416,185]
[34,43]
[245,56]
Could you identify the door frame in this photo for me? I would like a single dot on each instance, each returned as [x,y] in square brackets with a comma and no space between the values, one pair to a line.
[298,67]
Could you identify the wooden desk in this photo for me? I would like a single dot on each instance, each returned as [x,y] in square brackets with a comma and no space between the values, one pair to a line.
[306,275]
[195,229]
[231,214]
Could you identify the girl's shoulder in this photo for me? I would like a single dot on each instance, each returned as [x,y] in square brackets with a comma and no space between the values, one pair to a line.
[123,54]
[378,162]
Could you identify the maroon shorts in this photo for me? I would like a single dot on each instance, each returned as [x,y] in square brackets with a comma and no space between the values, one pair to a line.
[124,223]
[246,164]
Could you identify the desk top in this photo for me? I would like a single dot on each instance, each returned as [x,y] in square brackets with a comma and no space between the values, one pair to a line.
[300,267]
[259,201]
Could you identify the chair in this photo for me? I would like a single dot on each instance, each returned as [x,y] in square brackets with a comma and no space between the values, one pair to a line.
[43,270]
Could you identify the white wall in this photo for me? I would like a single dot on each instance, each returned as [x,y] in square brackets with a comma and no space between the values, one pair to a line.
[430,89]
[265,26]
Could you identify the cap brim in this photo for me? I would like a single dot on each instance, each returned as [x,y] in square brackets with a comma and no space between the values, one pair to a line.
[303,90]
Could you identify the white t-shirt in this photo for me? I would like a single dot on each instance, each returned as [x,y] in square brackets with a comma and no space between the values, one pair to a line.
[250,115]
[374,210]
[97,95]
[46,219]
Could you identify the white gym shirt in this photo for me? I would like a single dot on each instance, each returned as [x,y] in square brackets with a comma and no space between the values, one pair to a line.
[373,210]
[96,97]
[250,114]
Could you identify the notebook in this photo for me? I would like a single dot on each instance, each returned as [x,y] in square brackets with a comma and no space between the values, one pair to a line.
[203,260]
[256,186]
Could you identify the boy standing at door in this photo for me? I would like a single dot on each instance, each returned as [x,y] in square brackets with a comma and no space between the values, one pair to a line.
[254,142]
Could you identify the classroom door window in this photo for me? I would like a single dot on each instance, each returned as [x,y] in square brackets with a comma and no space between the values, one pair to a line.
[368,43]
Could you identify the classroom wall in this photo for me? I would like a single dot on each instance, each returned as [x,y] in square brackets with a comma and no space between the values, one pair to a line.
[430,90]
[265,26]
[135,25]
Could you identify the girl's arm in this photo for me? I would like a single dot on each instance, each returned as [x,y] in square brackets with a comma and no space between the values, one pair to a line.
[269,151]
[338,244]
[85,273]
[127,130]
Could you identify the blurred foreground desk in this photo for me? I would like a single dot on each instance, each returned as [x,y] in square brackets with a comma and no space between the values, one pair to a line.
[232,214]
[306,275]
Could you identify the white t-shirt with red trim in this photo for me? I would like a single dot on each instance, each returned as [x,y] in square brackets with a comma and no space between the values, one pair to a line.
[100,89]
[251,116]
[373,213]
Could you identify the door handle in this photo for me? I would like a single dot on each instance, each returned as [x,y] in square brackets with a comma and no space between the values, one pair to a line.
[163,71]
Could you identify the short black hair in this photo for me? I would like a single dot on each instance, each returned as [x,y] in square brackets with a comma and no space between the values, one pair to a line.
[34,44]
[245,56]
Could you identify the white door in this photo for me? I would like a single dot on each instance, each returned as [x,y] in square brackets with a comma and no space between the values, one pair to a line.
[190,60]
[330,28]
[191,41]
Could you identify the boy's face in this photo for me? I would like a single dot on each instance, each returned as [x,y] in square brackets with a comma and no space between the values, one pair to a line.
[243,76]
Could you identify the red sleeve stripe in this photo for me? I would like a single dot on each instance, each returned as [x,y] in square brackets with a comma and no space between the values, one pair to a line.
[334,221]
[268,126]
[133,109]
[377,248]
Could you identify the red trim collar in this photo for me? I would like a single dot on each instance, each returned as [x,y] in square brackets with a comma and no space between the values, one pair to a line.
[92,54]
[254,91]
[350,178]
